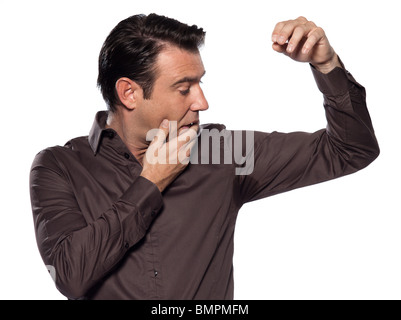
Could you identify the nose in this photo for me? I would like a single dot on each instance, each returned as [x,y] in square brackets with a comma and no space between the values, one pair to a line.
[200,103]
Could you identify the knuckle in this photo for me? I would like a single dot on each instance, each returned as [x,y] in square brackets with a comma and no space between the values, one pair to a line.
[317,32]
[311,24]
[312,38]
[301,18]
[320,30]
[279,25]
[300,29]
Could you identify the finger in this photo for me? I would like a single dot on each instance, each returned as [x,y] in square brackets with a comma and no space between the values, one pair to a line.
[190,146]
[297,36]
[187,136]
[164,126]
[160,134]
[187,143]
[276,31]
[286,32]
[314,36]
[283,30]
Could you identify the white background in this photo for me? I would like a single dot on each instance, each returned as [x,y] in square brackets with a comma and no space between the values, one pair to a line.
[336,240]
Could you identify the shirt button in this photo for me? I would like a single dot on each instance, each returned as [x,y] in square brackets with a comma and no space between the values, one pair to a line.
[153,213]
[126,245]
[126,155]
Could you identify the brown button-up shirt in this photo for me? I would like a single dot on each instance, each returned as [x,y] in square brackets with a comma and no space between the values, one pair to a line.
[105,232]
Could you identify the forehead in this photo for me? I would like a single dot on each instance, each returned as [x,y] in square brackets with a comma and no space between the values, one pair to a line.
[174,63]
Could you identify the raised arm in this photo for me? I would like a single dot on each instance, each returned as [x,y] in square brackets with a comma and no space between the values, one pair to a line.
[285,161]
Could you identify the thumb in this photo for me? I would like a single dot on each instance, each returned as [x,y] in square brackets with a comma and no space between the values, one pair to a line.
[281,48]
[164,127]
[161,133]
[157,138]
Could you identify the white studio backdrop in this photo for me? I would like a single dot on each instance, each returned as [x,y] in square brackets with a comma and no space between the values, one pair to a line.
[336,240]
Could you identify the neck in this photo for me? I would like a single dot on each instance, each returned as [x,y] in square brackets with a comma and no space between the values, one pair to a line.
[129,132]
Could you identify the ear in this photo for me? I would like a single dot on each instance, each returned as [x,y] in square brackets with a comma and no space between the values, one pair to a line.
[128,92]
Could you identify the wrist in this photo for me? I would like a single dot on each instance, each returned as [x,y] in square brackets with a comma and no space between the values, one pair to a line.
[154,179]
[328,66]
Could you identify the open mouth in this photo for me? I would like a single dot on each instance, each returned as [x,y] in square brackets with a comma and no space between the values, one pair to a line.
[189,125]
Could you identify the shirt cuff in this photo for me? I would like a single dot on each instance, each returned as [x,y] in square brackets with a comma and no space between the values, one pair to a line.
[145,197]
[335,83]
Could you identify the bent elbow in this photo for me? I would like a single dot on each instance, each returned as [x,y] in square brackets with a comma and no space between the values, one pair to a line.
[72,289]
[376,151]
[73,292]
[373,152]
[365,156]
[70,280]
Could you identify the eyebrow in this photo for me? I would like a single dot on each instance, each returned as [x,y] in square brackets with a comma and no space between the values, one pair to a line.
[188,79]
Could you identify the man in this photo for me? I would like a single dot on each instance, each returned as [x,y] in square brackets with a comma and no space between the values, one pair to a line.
[123,214]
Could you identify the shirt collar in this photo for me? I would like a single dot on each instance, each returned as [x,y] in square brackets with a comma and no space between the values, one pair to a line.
[95,134]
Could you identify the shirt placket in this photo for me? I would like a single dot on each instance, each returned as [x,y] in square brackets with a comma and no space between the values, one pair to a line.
[151,244]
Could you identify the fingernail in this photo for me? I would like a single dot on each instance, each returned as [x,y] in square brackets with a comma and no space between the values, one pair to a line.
[165,123]
[274,37]
[281,39]
[305,50]
[290,47]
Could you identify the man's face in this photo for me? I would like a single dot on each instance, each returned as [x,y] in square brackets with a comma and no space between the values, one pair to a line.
[177,95]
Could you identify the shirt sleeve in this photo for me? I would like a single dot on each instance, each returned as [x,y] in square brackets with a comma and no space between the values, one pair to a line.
[81,254]
[285,161]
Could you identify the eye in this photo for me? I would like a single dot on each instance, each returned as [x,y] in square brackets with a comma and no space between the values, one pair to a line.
[185,92]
